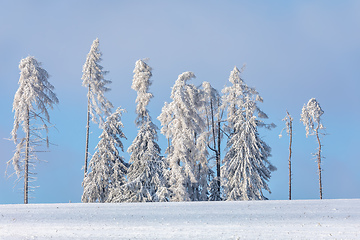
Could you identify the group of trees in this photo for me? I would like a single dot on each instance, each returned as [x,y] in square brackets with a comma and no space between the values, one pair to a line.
[196,123]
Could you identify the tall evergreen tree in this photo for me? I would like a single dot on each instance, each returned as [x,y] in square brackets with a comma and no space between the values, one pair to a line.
[107,168]
[31,102]
[146,181]
[311,118]
[183,126]
[246,166]
[93,79]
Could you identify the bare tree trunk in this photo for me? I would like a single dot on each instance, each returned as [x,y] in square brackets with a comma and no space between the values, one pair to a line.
[216,148]
[87,133]
[27,151]
[218,159]
[319,161]
[290,144]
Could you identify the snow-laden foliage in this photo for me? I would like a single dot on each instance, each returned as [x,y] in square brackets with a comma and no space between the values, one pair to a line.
[141,83]
[246,168]
[107,168]
[98,106]
[145,178]
[183,126]
[31,102]
[310,116]
[212,102]
[288,124]
[212,112]
[93,79]
[146,181]
[202,171]
[34,95]
[233,99]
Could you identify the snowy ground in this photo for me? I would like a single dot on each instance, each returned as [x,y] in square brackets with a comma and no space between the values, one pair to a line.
[309,219]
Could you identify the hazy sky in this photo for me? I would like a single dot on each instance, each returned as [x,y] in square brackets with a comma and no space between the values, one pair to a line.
[294,50]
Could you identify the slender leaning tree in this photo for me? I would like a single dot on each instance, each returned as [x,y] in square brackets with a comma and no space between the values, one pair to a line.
[93,79]
[246,166]
[289,130]
[107,168]
[311,118]
[31,102]
[146,181]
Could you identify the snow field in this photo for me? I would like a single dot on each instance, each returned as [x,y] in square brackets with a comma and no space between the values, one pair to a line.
[297,219]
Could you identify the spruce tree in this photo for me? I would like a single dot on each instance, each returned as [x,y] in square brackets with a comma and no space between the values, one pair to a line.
[183,126]
[146,181]
[246,168]
[31,102]
[93,79]
[107,168]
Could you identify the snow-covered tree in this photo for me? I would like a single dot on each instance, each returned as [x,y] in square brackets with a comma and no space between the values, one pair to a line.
[146,181]
[93,79]
[311,118]
[107,168]
[31,103]
[183,126]
[288,122]
[213,114]
[246,168]
[141,83]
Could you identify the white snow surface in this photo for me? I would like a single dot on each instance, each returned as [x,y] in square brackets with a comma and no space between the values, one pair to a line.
[296,219]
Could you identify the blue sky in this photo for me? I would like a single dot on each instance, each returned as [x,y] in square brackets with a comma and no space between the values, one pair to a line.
[294,50]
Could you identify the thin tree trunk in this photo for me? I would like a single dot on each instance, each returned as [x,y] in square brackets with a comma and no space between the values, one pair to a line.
[27,151]
[319,161]
[87,133]
[290,151]
[216,148]
[218,160]
[290,144]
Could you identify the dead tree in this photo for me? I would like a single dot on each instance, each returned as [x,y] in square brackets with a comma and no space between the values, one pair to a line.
[288,121]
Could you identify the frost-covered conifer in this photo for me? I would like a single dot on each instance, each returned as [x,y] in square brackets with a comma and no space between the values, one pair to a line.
[107,168]
[145,178]
[246,168]
[31,102]
[310,116]
[183,126]
[93,79]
